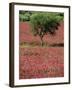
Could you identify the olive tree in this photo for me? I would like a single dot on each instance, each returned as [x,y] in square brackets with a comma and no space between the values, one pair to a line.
[44,23]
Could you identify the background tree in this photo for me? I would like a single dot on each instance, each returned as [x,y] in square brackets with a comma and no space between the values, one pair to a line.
[44,23]
[24,16]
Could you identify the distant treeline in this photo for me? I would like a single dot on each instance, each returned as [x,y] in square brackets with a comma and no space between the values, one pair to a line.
[25,15]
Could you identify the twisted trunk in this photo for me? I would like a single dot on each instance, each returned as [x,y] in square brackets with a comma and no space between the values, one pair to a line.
[42,43]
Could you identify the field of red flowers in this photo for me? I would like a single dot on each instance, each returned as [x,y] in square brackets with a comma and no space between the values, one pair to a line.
[40,62]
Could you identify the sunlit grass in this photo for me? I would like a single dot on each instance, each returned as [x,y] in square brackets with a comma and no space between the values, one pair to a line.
[33,46]
[45,45]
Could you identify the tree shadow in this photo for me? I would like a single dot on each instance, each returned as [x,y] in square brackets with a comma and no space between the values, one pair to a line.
[57,45]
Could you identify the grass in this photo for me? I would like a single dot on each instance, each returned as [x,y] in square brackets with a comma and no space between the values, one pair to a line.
[36,44]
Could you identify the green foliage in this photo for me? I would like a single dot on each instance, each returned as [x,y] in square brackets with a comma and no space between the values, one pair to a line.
[42,23]
[24,16]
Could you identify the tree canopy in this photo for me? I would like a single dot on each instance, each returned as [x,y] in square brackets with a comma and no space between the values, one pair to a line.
[44,23]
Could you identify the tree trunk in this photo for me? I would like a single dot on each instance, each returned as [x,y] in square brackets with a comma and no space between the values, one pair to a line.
[42,42]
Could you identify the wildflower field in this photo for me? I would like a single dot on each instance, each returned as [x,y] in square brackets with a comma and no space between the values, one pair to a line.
[36,61]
